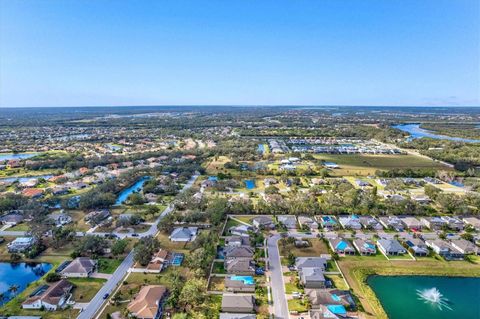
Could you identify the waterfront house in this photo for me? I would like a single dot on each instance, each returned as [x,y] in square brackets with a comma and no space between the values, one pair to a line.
[238,303]
[365,247]
[52,298]
[417,247]
[20,244]
[79,267]
[148,302]
[341,246]
[183,234]
[318,297]
[466,247]
[445,249]
[391,247]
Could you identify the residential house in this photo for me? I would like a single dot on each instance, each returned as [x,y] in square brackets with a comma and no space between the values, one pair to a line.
[237,252]
[11,219]
[369,222]
[466,247]
[159,261]
[289,221]
[240,266]
[433,223]
[329,312]
[32,192]
[320,297]
[453,223]
[445,249]
[96,217]
[52,298]
[224,315]
[412,223]
[308,222]
[148,302]
[316,262]
[365,247]
[312,277]
[183,234]
[237,241]
[60,219]
[328,222]
[391,247]
[417,247]
[472,221]
[341,246]
[79,267]
[263,222]
[350,222]
[392,222]
[20,244]
[238,303]
[240,284]
[240,230]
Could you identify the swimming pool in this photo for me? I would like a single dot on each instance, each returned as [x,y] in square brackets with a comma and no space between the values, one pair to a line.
[177,259]
[247,280]
[249,184]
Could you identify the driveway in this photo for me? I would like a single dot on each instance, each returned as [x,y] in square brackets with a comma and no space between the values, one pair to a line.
[280,305]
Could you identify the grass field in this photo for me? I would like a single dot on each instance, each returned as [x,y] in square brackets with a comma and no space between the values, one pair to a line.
[86,288]
[297,305]
[107,265]
[356,274]
[357,164]
[318,247]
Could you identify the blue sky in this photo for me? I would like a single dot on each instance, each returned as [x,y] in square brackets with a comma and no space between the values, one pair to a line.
[319,52]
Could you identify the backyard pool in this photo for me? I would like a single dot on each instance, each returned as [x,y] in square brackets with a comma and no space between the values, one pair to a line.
[177,259]
[250,184]
[247,280]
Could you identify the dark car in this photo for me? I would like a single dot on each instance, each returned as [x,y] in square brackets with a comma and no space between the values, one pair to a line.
[134,235]
[105,296]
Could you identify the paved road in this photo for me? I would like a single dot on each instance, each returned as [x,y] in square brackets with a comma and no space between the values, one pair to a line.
[97,301]
[280,306]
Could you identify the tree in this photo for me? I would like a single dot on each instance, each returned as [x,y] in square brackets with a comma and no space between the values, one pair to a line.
[119,246]
[193,294]
[52,277]
[143,254]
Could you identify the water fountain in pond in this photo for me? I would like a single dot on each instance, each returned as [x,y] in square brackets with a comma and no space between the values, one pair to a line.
[434,297]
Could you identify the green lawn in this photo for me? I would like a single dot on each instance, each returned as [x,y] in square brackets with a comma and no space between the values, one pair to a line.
[218,268]
[107,265]
[86,288]
[290,287]
[338,281]
[20,227]
[297,305]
